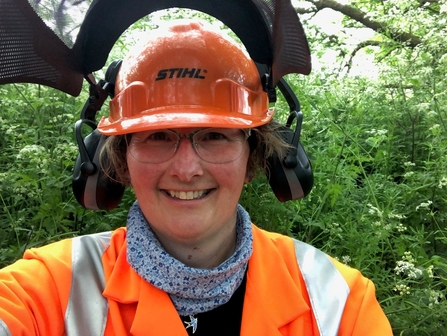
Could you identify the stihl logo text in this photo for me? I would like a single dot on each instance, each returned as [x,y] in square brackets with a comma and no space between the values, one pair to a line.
[181,73]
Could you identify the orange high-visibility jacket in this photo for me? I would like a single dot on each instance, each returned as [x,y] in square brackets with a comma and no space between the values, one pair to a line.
[84,286]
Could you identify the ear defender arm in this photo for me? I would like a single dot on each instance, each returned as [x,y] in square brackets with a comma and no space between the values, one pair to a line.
[87,167]
[291,177]
[93,189]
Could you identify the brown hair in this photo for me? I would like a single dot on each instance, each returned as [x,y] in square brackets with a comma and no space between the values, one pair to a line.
[264,142]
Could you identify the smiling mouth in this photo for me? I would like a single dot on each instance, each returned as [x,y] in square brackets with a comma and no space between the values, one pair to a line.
[188,195]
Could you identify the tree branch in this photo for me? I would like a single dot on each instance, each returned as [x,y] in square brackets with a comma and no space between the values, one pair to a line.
[301,11]
[359,16]
[359,47]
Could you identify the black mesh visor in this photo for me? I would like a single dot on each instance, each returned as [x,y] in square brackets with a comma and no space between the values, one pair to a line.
[57,43]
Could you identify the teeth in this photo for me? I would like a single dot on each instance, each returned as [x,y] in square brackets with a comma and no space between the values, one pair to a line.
[187,195]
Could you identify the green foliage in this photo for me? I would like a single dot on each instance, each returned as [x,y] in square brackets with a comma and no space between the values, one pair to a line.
[37,156]
[378,150]
[377,146]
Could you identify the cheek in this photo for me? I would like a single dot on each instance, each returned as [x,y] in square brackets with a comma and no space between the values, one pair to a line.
[137,171]
[144,177]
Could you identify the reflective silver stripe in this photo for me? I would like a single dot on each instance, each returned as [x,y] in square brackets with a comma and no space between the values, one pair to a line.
[328,290]
[86,313]
[4,330]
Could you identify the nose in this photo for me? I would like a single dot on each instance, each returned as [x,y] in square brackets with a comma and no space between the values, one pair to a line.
[186,163]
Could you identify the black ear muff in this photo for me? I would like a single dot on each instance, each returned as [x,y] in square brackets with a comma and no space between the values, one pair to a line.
[291,177]
[93,189]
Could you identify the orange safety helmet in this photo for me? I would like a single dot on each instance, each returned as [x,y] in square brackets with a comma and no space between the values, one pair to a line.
[187,75]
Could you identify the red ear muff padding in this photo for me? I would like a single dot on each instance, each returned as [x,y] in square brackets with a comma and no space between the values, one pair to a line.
[93,189]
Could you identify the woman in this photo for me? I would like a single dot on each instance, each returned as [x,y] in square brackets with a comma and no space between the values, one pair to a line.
[189,125]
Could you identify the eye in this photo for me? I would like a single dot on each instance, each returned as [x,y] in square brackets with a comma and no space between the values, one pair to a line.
[159,136]
[213,135]
[221,134]
[153,137]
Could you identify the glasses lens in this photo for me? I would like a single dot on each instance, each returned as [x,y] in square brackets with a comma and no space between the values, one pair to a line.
[219,145]
[214,145]
[153,146]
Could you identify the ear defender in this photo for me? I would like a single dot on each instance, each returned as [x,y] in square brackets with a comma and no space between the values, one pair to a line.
[291,177]
[93,189]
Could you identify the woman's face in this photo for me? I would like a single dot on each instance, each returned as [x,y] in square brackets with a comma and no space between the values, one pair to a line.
[186,199]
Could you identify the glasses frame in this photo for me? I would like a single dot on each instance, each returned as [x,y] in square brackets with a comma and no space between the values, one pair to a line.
[190,136]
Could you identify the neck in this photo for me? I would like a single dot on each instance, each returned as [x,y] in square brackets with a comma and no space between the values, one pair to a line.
[206,252]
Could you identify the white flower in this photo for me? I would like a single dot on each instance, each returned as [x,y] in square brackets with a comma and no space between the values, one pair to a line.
[377,132]
[442,183]
[424,205]
[346,259]
[401,228]
[443,8]
[434,298]
[373,210]
[402,289]
[31,151]
[396,216]
[408,256]
[408,269]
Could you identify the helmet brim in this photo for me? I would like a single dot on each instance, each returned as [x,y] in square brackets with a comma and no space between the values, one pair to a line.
[182,117]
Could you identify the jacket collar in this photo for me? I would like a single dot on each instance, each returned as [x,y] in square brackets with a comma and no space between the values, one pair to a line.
[155,313]
[275,294]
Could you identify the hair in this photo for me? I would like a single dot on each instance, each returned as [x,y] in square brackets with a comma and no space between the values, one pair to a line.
[265,141]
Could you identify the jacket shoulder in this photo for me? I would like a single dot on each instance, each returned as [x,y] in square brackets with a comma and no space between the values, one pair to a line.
[282,243]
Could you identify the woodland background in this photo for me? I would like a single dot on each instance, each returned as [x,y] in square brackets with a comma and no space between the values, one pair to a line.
[375,130]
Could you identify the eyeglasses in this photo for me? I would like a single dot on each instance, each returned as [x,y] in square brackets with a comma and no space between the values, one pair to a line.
[213,145]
